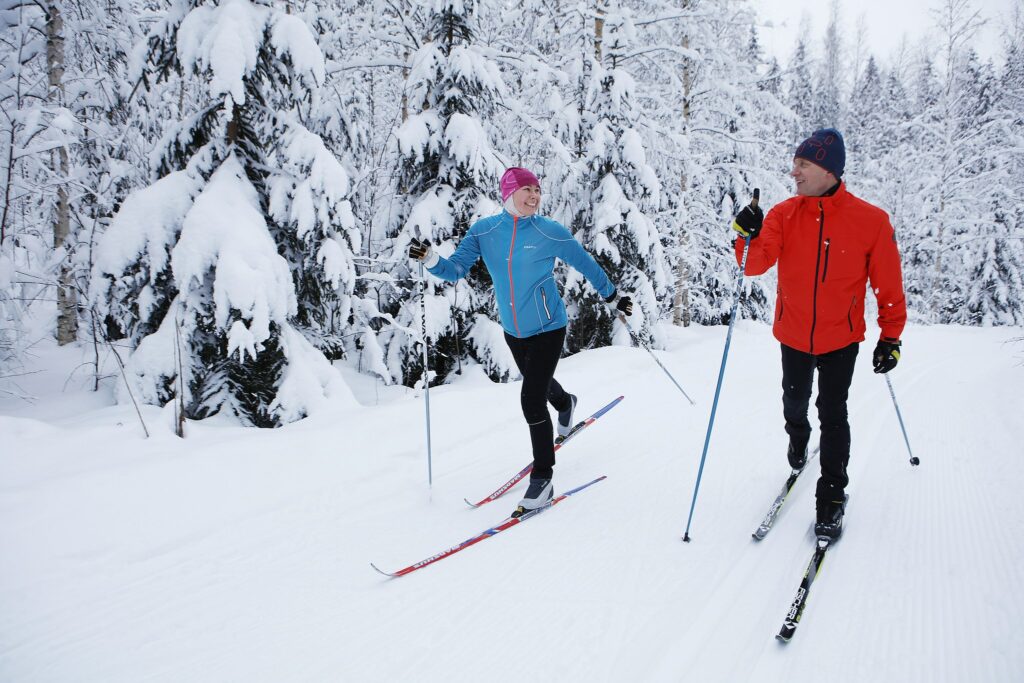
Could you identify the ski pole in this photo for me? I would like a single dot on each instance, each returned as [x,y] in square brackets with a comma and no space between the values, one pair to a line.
[721,371]
[640,342]
[426,373]
[913,459]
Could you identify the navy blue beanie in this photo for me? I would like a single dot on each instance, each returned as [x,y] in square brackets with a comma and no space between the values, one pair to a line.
[825,148]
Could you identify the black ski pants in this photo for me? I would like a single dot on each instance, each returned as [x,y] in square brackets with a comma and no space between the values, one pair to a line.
[835,373]
[536,357]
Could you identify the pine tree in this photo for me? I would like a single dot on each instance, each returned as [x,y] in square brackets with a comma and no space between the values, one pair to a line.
[800,93]
[246,203]
[448,172]
[615,226]
[827,108]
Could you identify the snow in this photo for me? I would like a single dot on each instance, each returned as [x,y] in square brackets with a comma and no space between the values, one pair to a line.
[242,554]
[417,135]
[467,142]
[224,39]
[292,38]
[225,231]
[148,224]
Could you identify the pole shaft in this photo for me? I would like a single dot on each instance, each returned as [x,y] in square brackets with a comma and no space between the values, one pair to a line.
[426,373]
[718,387]
[899,416]
[639,342]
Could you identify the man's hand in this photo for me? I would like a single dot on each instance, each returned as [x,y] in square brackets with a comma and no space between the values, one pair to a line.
[748,221]
[887,354]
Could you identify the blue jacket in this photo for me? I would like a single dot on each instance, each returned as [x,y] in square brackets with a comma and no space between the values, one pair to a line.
[520,255]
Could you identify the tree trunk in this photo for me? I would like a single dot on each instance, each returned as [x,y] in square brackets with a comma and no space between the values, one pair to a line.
[598,31]
[67,299]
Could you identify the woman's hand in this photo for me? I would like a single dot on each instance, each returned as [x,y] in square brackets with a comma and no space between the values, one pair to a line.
[421,251]
[624,304]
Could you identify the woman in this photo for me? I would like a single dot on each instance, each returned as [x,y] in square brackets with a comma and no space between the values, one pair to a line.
[519,249]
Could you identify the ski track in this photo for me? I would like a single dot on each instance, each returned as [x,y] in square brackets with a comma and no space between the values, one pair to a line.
[242,556]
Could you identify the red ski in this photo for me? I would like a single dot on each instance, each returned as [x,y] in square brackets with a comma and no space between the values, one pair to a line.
[493,531]
[519,476]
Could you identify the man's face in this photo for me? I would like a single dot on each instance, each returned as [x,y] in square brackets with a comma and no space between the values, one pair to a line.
[527,200]
[811,180]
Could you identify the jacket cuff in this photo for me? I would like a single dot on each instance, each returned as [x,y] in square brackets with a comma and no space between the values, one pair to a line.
[432,258]
[611,297]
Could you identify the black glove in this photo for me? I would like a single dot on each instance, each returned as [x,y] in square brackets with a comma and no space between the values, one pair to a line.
[621,303]
[748,221]
[419,251]
[887,354]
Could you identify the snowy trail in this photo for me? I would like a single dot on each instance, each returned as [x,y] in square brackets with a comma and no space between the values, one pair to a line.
[243,554]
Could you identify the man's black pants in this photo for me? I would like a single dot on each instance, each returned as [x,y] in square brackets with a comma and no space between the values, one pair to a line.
[536,357]
[835,373]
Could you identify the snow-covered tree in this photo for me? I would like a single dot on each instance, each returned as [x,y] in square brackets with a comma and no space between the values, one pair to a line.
[447,176]
[247,223]
[827,104]
[65,146]
[615,225]
[800,91]
[732,140]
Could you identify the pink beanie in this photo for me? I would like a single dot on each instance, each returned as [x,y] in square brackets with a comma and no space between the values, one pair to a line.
[514,179]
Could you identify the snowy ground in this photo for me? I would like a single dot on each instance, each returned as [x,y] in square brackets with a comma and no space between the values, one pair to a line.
[243,555]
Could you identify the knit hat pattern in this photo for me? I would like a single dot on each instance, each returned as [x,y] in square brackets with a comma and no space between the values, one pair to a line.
[824,148]
[515,178]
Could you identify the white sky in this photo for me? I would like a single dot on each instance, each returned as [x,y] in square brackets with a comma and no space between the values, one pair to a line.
[887,21]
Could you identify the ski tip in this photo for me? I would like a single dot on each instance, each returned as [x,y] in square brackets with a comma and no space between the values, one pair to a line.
[756,536]
[382,572]
[783,637]
[472,505]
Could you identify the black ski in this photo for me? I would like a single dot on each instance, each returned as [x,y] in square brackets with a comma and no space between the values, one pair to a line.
[796,610]
[776,506]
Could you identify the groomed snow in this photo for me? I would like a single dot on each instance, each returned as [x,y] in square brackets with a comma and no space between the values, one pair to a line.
[243,554]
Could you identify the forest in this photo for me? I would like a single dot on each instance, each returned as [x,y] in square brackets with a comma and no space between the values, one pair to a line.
[220,194]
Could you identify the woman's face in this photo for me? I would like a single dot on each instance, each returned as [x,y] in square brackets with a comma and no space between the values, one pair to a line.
[527,200]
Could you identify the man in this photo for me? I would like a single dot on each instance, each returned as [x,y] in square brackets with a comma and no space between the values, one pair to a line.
[828,244]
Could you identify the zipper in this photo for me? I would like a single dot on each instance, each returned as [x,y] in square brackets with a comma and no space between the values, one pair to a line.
[817,268]
[849,313]
[544,300]
[825,269]
[511,285]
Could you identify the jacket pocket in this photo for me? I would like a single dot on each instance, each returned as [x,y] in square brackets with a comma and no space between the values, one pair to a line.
[849,313]
[544,303]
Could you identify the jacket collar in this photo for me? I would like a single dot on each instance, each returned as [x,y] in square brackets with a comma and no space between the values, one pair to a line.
[506,216]
[827,202]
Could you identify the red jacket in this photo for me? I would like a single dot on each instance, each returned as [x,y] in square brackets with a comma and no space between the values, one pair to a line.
[827,248]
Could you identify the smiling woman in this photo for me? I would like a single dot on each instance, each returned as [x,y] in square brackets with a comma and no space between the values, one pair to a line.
[519,249]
